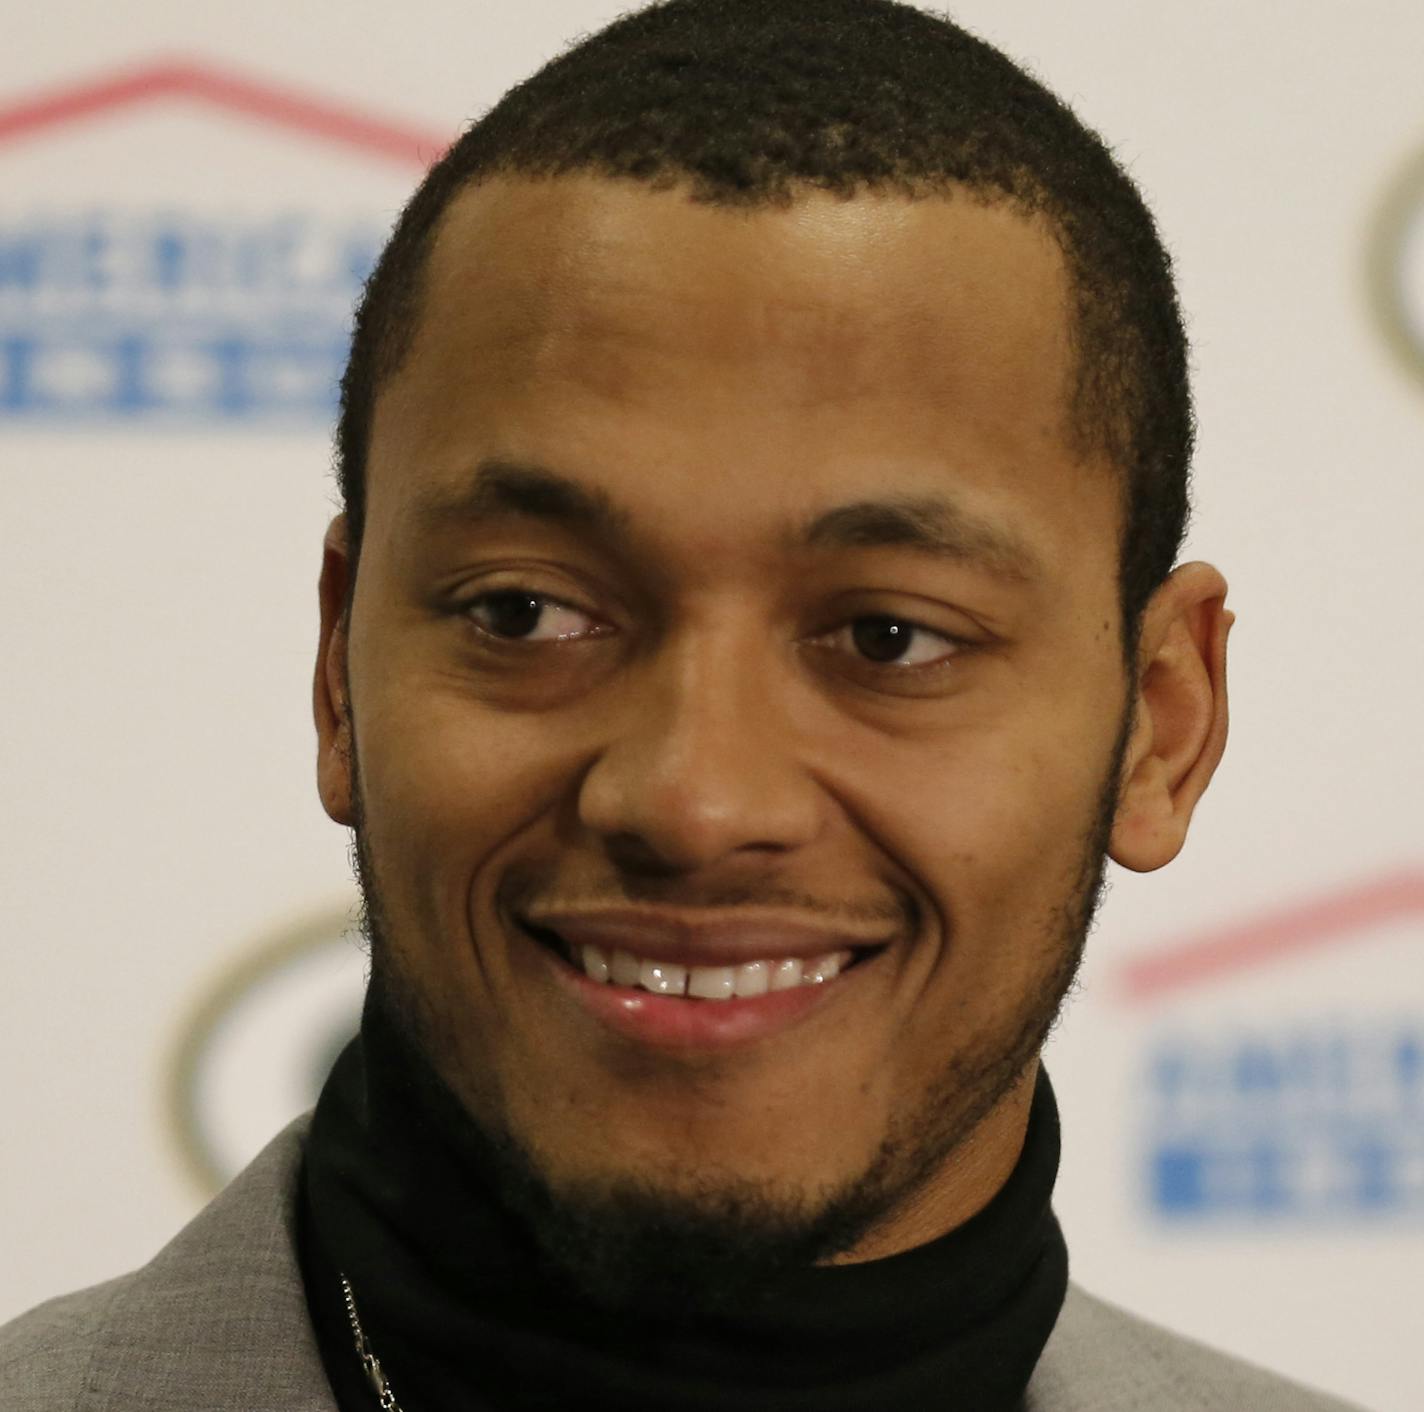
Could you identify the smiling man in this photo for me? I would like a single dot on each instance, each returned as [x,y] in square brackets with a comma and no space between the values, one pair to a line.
[753,623]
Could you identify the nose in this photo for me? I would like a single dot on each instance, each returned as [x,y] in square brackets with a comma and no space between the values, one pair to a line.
[703,763]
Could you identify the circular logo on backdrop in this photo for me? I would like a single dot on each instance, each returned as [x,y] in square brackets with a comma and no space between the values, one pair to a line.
[257,1046]
[1397,265]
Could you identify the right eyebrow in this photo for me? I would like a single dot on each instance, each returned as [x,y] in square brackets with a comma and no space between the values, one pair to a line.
[504,487]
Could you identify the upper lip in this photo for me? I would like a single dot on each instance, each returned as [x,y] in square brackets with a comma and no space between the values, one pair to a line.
[689,941]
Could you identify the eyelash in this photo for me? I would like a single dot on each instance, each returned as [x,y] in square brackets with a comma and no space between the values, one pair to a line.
[546,601]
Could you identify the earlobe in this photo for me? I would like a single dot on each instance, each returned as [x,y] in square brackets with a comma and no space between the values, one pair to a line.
[330,705]
[1181,717]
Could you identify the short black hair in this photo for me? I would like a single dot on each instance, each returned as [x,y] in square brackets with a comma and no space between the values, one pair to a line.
[747,103]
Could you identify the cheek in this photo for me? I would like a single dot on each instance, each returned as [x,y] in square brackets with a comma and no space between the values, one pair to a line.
[993,824]
[445,784]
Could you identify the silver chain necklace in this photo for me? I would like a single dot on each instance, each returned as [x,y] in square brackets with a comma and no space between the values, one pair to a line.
[369,1361]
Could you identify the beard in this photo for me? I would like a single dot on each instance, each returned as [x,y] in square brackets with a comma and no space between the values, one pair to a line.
[711,1245]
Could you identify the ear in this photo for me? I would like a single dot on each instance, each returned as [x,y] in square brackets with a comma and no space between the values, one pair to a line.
[329,689]
[1179,731]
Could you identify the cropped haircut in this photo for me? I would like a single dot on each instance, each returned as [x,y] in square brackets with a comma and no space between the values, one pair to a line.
[746,103]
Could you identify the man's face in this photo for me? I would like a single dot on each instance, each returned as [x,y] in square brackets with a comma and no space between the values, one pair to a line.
[706,716]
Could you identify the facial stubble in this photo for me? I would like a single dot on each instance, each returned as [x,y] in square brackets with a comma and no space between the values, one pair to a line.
[713,1243]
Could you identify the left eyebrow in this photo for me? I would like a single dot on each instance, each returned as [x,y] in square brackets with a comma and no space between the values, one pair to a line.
[931,525]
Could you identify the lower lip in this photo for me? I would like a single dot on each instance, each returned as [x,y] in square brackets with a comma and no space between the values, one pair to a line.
[675,1022]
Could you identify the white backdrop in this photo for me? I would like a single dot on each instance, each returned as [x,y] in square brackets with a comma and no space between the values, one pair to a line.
[185,193]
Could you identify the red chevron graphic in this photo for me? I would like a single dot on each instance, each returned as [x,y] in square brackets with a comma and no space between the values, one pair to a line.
[197,82]
[1336,919]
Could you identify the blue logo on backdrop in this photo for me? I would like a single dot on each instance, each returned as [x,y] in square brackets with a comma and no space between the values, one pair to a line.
[1316,1122]
[167,317]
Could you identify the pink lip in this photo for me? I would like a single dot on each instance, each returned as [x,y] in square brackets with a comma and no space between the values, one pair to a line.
[699,941]
[675,1022]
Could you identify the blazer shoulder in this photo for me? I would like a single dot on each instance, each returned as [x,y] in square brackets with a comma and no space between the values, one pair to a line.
[45,1354]
[215,1322]
[1100,1358]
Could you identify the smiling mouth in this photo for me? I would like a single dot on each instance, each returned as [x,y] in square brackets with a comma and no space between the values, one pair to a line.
[658,977]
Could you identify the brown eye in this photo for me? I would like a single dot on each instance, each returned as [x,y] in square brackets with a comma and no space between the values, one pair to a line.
[884,641]
[509,613]
[512,614]
[881,639]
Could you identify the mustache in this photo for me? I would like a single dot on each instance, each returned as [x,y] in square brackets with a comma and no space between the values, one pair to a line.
[525,890]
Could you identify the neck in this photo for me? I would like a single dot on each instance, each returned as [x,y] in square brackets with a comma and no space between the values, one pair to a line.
[968,1180]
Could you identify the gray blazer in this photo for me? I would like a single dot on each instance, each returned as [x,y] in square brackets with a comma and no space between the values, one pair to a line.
[217,1322]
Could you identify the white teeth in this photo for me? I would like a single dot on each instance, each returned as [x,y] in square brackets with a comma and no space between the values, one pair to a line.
[712,982]
[663,978]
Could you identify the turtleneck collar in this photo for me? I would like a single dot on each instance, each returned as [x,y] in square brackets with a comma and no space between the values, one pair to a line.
[463,1312]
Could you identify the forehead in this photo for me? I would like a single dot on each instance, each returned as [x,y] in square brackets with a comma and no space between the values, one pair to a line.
[837,295]
[659,342]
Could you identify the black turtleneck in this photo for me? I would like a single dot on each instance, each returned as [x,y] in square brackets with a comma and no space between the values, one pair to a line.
[465,1316]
